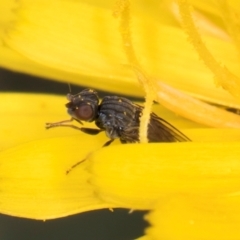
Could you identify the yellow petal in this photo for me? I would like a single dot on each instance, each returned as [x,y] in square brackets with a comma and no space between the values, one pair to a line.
[89,50]
[192,217]
[74,45]
[136,176]
[34,161]
[213,135]
[195,109]
[34,183]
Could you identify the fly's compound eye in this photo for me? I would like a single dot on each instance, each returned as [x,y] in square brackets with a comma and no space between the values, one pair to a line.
[85,112]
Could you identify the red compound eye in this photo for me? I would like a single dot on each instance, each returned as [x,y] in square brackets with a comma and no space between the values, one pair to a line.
[84,112]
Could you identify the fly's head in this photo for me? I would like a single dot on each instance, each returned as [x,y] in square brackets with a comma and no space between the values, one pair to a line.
[83,106]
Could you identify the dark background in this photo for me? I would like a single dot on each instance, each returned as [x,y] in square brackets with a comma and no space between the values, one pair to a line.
[99,225]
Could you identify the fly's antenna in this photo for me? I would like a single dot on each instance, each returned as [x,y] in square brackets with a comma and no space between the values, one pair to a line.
[69,88]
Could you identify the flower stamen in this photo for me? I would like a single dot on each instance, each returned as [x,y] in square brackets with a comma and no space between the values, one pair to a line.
[122,9]
[222,75]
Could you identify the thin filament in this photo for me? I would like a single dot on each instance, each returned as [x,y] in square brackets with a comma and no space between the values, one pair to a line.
[222,75]
[122,9]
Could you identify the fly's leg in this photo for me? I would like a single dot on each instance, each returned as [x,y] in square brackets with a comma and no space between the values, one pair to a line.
[91,131]
[75,165]
[83,160]
[108,143]
[52,125]
[61,123]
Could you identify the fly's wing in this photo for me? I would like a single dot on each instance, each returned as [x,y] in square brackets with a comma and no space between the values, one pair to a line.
[130,135]
[159,130]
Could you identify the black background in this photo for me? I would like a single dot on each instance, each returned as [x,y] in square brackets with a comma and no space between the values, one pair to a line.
[99,225]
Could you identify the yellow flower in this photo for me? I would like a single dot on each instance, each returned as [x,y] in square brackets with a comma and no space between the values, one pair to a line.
[191,188]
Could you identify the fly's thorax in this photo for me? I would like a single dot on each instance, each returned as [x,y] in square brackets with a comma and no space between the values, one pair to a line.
[116,111]
[116,114]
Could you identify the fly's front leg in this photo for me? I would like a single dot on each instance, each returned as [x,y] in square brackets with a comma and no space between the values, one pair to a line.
[91,131]
[61,123]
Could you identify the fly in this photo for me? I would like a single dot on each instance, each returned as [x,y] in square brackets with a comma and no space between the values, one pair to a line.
[118,117]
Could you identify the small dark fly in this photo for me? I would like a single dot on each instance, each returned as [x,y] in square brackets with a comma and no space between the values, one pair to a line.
[118,117]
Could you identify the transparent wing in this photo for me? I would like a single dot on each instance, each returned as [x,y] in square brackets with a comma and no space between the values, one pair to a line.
[159,130]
